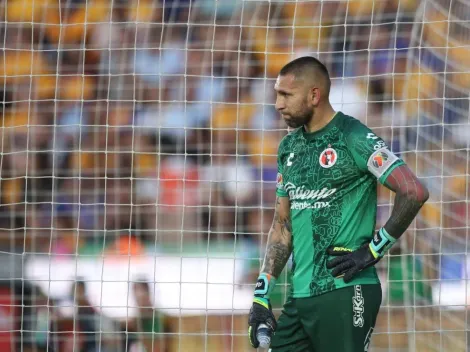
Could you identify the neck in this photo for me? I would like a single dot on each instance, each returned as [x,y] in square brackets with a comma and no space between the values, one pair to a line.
[323,115]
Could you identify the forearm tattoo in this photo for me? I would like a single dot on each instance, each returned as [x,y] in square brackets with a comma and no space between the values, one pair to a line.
[404,211]
[279,245]
[410,197]
[276,258]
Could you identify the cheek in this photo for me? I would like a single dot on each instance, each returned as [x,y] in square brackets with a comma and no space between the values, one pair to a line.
[296,104]
[304,105]
[308,103]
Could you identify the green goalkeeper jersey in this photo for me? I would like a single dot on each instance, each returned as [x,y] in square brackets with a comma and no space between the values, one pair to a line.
[330,177]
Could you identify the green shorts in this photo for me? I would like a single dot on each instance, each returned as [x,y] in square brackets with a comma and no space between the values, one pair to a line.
[338,321]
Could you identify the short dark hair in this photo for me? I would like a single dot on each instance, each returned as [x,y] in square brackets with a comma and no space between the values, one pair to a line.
[307,65]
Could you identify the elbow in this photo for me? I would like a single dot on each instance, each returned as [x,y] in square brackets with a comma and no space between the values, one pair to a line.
[425,195]
[422,194]
[418,194]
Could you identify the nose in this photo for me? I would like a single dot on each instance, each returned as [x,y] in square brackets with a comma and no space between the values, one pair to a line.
[280,104]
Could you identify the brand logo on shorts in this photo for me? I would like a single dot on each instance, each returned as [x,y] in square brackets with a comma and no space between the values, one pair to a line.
[358,307]
[328,158]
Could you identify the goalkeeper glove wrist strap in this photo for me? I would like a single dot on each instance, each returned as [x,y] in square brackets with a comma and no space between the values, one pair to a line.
[381,243]
[264,286]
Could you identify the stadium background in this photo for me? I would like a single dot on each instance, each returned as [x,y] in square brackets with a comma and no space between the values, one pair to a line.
[138,164]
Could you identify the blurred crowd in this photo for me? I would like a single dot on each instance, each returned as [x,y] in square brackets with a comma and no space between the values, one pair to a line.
[129,125]
[47,326]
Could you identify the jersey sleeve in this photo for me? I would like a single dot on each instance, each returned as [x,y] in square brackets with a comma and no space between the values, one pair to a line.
[370,152]
[280,189]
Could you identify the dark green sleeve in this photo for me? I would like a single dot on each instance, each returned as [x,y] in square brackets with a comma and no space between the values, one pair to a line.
[280,190]
[369,151]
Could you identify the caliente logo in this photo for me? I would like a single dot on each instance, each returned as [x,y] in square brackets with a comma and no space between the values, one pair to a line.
[302,193]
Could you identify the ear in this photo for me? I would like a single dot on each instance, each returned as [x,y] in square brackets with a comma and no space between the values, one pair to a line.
[315,96]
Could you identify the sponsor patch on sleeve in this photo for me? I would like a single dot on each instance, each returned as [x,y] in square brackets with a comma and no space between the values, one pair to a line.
[279,181]
[380,161]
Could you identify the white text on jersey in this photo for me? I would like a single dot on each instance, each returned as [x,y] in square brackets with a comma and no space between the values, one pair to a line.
[307,194]
[289,159]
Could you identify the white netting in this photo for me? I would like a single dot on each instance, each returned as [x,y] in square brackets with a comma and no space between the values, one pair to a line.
[138,161]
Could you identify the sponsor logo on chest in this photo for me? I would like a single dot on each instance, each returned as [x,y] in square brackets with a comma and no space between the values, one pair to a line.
[307,194]
[302,193]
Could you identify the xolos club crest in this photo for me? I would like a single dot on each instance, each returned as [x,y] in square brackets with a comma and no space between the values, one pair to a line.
[328,158]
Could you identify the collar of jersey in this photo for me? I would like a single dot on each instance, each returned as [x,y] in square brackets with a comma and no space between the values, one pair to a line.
[310,135]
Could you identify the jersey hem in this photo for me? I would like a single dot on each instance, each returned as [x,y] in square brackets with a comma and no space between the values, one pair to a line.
[353,283]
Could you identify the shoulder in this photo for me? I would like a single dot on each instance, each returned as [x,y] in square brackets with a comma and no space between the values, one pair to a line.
[348,124]
[351,127]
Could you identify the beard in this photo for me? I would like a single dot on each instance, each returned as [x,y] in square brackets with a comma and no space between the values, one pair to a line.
[300,119]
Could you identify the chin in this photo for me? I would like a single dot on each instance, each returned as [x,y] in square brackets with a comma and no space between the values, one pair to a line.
[293,124]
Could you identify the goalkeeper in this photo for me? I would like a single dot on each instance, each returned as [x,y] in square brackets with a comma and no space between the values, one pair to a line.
[325,216]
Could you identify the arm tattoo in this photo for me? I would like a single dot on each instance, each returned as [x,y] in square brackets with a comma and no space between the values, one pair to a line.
[410,197]
[286,229]
[276,258]
[279,243]
[276,210]
[404,211]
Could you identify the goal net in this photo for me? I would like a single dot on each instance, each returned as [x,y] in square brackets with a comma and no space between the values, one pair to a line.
[138,150]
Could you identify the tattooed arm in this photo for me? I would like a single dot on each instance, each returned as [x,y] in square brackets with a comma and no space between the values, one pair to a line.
[411,194]
[278,251]
[279,245]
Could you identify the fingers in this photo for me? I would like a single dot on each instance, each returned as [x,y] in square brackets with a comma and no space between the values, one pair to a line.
[342,268]
[252,335]
[348,264]
[350,275]
[271,322]
[335,262]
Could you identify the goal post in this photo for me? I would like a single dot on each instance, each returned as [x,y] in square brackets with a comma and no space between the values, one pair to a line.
[138,146]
